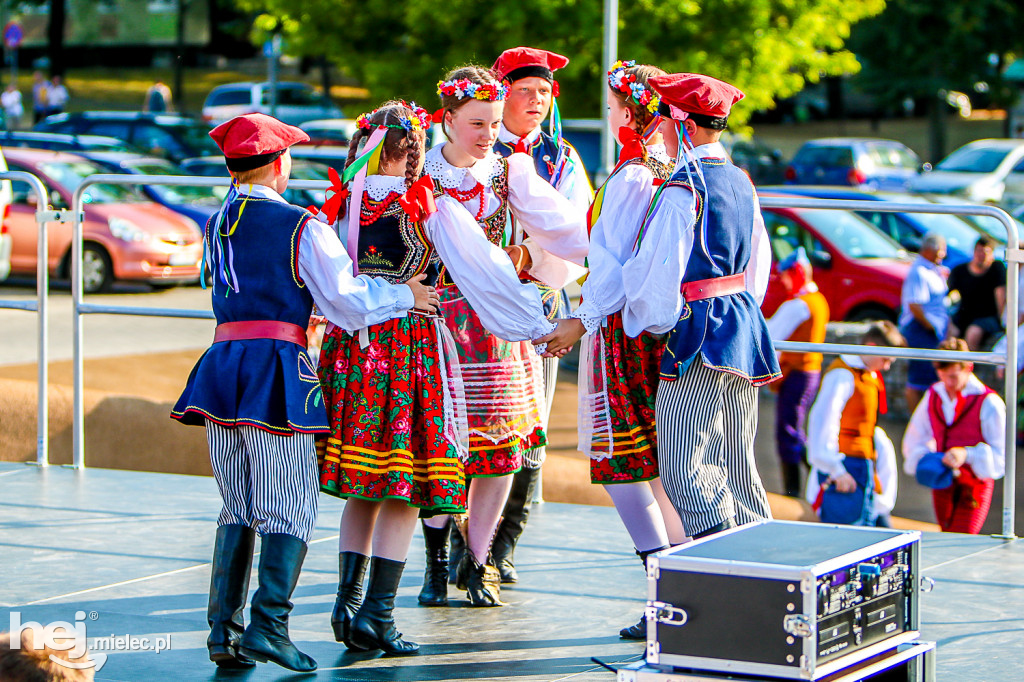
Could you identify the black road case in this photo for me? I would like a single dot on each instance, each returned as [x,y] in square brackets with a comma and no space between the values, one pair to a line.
[783,599]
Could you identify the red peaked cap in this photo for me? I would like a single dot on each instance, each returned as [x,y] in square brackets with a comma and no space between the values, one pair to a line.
[695,93]
[255,135]
[534,62]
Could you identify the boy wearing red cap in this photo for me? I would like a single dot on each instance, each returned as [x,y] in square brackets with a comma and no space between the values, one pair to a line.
[532,91]
[256,390]
[699,272]
[804,317]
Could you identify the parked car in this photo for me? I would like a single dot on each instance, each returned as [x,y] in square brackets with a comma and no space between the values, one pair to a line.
[977,171]
[296,102]
[197,203]
[59,142]
[213,166]
[993,227]
[906,228]
[5,210]
[168,135]
[854,161]
[330,131]
[126,237]
[858,269]
[761,162]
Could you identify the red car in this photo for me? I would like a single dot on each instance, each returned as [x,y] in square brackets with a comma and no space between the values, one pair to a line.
[858,269]
[126,237]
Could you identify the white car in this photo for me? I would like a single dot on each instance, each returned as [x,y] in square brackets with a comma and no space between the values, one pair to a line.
[296,102]
[5,209]
[977,171]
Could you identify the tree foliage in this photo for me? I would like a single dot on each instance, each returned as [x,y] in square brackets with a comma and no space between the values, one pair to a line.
[401,48]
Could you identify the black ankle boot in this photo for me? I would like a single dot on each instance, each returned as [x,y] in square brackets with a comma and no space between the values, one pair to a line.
[229,586]
[458,550]
[639,630]
[373,626]
[480,580]
[351,571]
[791,479]
[435,579]
[717,528]
[266,638]
[513,522]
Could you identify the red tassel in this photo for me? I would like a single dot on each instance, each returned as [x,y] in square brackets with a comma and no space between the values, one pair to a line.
[554,88]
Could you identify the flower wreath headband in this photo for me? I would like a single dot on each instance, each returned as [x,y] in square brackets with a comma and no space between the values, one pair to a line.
[626,83]
[463,88]
[420,119]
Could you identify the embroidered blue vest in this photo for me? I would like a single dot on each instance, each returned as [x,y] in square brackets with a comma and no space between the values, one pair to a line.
[544,151]
[393,247]
[728,332]
[265,383]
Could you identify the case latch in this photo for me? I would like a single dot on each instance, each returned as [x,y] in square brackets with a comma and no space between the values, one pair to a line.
[666,614]
[797,624]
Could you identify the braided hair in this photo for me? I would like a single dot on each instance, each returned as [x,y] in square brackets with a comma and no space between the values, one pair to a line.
[641,114]
[398,141]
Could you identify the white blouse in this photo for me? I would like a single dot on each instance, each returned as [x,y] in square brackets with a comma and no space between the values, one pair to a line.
[627,194]
[556,228]
[652,277]
[508,308]
[349,302]
[987,459]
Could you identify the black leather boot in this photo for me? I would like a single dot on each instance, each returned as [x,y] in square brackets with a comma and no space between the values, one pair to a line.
[717,528]
[513,522]
[791,477]
[266,638]
[639,630]
[480,580]
[229,586]
[435,579]
[373,626]
[458,550]
[351,571]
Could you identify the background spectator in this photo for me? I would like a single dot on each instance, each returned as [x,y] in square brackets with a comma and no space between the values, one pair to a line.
[10,101]
[981,283]
[158,98]
[924,318]
[58,96]
[40,97]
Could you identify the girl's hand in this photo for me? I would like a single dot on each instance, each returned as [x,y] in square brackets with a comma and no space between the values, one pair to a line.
[426,297]
[560,341]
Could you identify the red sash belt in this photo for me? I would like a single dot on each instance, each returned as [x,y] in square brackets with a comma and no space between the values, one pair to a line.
[714,287]
[260,329]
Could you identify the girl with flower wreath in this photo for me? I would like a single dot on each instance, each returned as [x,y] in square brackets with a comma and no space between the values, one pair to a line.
[618,375]
[393,390]
[503,377]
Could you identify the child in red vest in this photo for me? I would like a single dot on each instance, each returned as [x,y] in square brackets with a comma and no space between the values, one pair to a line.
[954,444]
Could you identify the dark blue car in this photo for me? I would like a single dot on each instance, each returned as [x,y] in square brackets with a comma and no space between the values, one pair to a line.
[906,228]
[862,162]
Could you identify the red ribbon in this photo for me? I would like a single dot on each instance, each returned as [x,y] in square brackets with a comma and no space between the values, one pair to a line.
[522,146]
[632,144]
[554,88]
[336,195]
[418,201]
[437,116]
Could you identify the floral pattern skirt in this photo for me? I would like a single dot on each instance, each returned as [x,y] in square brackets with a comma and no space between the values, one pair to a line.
[620,377]
[390,434]
[504,391]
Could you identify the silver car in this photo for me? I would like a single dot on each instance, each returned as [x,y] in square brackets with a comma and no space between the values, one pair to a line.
[296,102]
[977,171]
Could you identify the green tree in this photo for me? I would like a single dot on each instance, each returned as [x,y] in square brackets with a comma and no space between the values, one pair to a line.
[924,48]
[769,48]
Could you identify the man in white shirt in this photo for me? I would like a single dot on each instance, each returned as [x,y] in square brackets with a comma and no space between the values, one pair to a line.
[924,318]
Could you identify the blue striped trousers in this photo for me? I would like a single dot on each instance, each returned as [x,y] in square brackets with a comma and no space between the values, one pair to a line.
[267,482]
[707,421]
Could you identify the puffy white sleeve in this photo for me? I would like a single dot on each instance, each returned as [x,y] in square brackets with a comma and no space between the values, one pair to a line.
[988,459]
[652,276]
[918,439]
[350,302]
[787,318]
[574,184]
[885,467]
[625,200]
[508,308]
[759,267]
[823,422]
[557,229]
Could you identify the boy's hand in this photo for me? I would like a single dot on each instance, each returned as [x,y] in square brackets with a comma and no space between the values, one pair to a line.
[520,257]
[955,458]
[567,332]
[845,483]
[426,297]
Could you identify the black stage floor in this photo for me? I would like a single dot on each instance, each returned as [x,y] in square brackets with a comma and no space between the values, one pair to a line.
[131,551]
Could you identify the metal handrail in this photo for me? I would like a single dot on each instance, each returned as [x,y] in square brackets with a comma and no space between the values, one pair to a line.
[43,216]
[1014,257]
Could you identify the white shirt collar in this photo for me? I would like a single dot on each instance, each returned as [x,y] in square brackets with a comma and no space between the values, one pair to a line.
[711,150]
[511,138]
[452,177]
[261,192]
[973,387]
[380,186]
